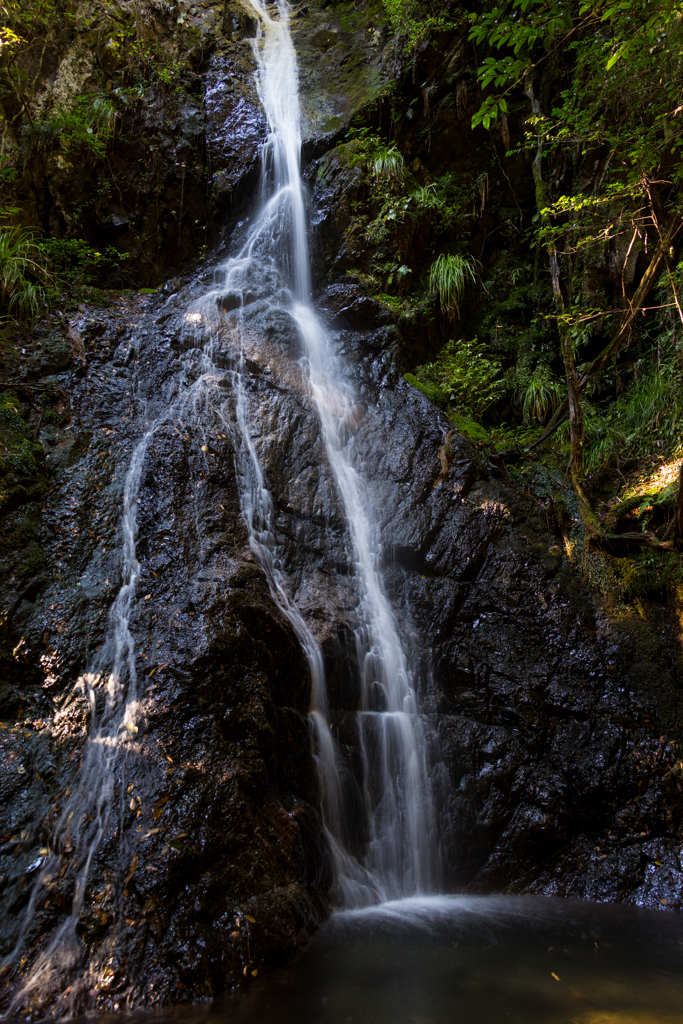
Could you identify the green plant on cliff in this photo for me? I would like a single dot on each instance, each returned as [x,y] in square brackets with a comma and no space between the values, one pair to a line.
[72,261]
[448,278]
[388,163]
[21,296]
[83,127]
[22,459]
[462,378]
[415,20]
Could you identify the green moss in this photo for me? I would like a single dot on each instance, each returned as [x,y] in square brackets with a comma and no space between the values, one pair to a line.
[432,391]
[626,579]
[469,428]
[23,475]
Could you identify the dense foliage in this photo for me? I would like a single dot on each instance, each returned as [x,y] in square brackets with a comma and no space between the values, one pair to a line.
[591,93]
[85,89]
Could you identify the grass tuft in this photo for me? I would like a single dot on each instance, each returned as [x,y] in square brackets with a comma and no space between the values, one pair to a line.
[388,163]
[448,278]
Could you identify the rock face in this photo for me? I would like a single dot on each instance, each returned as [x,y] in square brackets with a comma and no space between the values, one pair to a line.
[214,863]
[558,775]
[552,771]
[177,153]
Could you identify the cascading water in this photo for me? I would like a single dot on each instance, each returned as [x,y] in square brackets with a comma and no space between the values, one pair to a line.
[400,857]
[399,849]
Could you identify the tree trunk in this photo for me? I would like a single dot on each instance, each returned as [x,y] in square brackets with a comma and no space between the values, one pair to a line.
[573,401]
[678,514]
[636,303]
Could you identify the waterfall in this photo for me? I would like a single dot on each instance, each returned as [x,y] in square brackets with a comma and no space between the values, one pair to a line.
[399,858]
[398,855]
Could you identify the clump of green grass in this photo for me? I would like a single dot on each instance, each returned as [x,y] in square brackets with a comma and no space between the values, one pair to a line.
[539,394]
[388,163]
[19,296]
[651,407]
[448,278]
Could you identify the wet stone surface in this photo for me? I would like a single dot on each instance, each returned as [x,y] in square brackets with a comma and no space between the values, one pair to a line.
[551,780]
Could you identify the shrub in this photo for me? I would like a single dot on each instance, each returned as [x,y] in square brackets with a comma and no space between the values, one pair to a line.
[462,378]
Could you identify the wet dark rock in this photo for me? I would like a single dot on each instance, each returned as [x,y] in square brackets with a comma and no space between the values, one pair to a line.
[218,865]
[552,779]
[558,772]
[235,126]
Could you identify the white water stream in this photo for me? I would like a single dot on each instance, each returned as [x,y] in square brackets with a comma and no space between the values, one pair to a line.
[399,858]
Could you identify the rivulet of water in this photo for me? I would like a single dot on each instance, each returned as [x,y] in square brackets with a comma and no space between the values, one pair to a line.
[87,814]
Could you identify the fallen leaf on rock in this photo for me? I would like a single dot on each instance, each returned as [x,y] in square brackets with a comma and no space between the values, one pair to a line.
[132,869]
[251,920]
[254,972]
[158,809]
[554,976]
[152,832]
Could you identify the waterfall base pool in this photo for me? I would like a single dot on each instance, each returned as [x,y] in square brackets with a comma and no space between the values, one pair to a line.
[474,960]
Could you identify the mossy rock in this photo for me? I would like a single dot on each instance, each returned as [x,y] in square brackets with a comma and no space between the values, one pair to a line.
[433,393]
[463,424]
[53,356]
[469,428]
[23,473]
